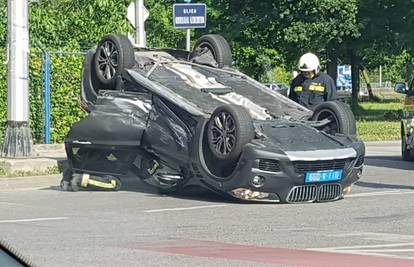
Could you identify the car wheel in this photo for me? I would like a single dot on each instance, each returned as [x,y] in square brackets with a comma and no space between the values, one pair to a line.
[90,84]
[340,115]
[215,46]
[229,129]
[406,153]
[114,53]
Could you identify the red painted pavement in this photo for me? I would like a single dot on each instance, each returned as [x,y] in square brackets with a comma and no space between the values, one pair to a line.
[293,257]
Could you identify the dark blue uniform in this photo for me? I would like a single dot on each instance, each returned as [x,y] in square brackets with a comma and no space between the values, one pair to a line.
[309,92]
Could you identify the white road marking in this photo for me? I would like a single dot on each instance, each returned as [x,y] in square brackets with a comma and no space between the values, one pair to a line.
[34,220]
[381,193]
[384,237]
[188,208]
[368,246]
[384,250]
[7,203]
[389,250]
[363,253]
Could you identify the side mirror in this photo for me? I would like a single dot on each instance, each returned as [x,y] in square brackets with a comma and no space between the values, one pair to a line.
[400,88]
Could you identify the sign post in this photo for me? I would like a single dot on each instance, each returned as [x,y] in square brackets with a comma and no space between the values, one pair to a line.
[189,16]
[188,40]
[139,23]
[137,14]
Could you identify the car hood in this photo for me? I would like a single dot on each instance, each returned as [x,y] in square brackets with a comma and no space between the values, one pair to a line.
[298,140]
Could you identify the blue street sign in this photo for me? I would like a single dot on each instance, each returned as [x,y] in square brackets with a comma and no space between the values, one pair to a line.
[187,16]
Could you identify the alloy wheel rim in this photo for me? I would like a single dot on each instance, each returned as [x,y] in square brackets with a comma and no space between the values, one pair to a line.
[108,60]
[223,132]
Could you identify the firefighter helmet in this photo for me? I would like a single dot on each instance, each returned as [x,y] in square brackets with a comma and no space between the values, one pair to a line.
[309,62]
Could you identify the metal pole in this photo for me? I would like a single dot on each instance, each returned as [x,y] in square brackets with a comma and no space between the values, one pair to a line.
[188,41]
[381,75]
[47,96]
[18,138]
[139,23]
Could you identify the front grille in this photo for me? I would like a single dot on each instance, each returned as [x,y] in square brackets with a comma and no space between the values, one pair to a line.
[329,192]
[319,165]
[269,165]
[304,193]
[359,161]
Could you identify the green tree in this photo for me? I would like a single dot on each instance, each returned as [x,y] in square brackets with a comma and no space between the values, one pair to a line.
[289,27]
[75,24]
[385,28]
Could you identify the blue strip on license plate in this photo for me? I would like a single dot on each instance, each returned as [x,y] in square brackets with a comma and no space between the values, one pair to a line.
[323,176]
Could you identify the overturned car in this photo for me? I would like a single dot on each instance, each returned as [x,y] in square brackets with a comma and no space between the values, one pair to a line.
[174,118]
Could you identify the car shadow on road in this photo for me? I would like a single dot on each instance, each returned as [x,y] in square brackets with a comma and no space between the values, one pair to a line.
[135,185]
[191,192]
[382,185]
[392,162]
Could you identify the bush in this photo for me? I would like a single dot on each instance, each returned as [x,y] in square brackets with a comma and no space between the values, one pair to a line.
[65,86]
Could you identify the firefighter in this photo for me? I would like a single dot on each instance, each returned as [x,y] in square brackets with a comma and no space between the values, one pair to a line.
[311,87]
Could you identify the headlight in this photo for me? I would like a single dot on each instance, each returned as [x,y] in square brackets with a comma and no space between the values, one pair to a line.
[247,194]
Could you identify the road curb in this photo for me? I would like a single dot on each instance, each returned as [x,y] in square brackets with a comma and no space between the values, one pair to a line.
[44,158]
[383,143]
[19,183]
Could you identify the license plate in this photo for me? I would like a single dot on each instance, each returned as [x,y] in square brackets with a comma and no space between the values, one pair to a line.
[323,176]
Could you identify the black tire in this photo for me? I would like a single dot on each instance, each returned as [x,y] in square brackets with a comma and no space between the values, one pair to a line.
[405,153]
[114,54]
[217,45]
[342,118]
[352,126]
[90,84]
[234,124]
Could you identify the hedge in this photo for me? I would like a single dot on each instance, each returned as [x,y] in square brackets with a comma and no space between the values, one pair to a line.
[65,86]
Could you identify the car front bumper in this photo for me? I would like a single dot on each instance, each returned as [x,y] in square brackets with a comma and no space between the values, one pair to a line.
[276,177]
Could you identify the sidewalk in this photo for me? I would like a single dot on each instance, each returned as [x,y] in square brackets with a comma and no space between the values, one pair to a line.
[29,182]
[44,158]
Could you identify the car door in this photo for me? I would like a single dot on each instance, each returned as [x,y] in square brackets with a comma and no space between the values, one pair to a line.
[168,131]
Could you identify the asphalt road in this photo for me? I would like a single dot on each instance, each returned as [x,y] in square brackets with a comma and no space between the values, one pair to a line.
[373,226]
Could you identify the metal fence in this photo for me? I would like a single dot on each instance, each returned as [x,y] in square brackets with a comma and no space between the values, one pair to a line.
[47,71]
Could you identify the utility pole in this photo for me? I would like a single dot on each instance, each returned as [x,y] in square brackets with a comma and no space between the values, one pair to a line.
[18,137]
[139,23]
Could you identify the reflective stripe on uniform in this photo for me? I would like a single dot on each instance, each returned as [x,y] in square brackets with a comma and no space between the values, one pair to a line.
[317,88]
[298,88]
[96,183]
